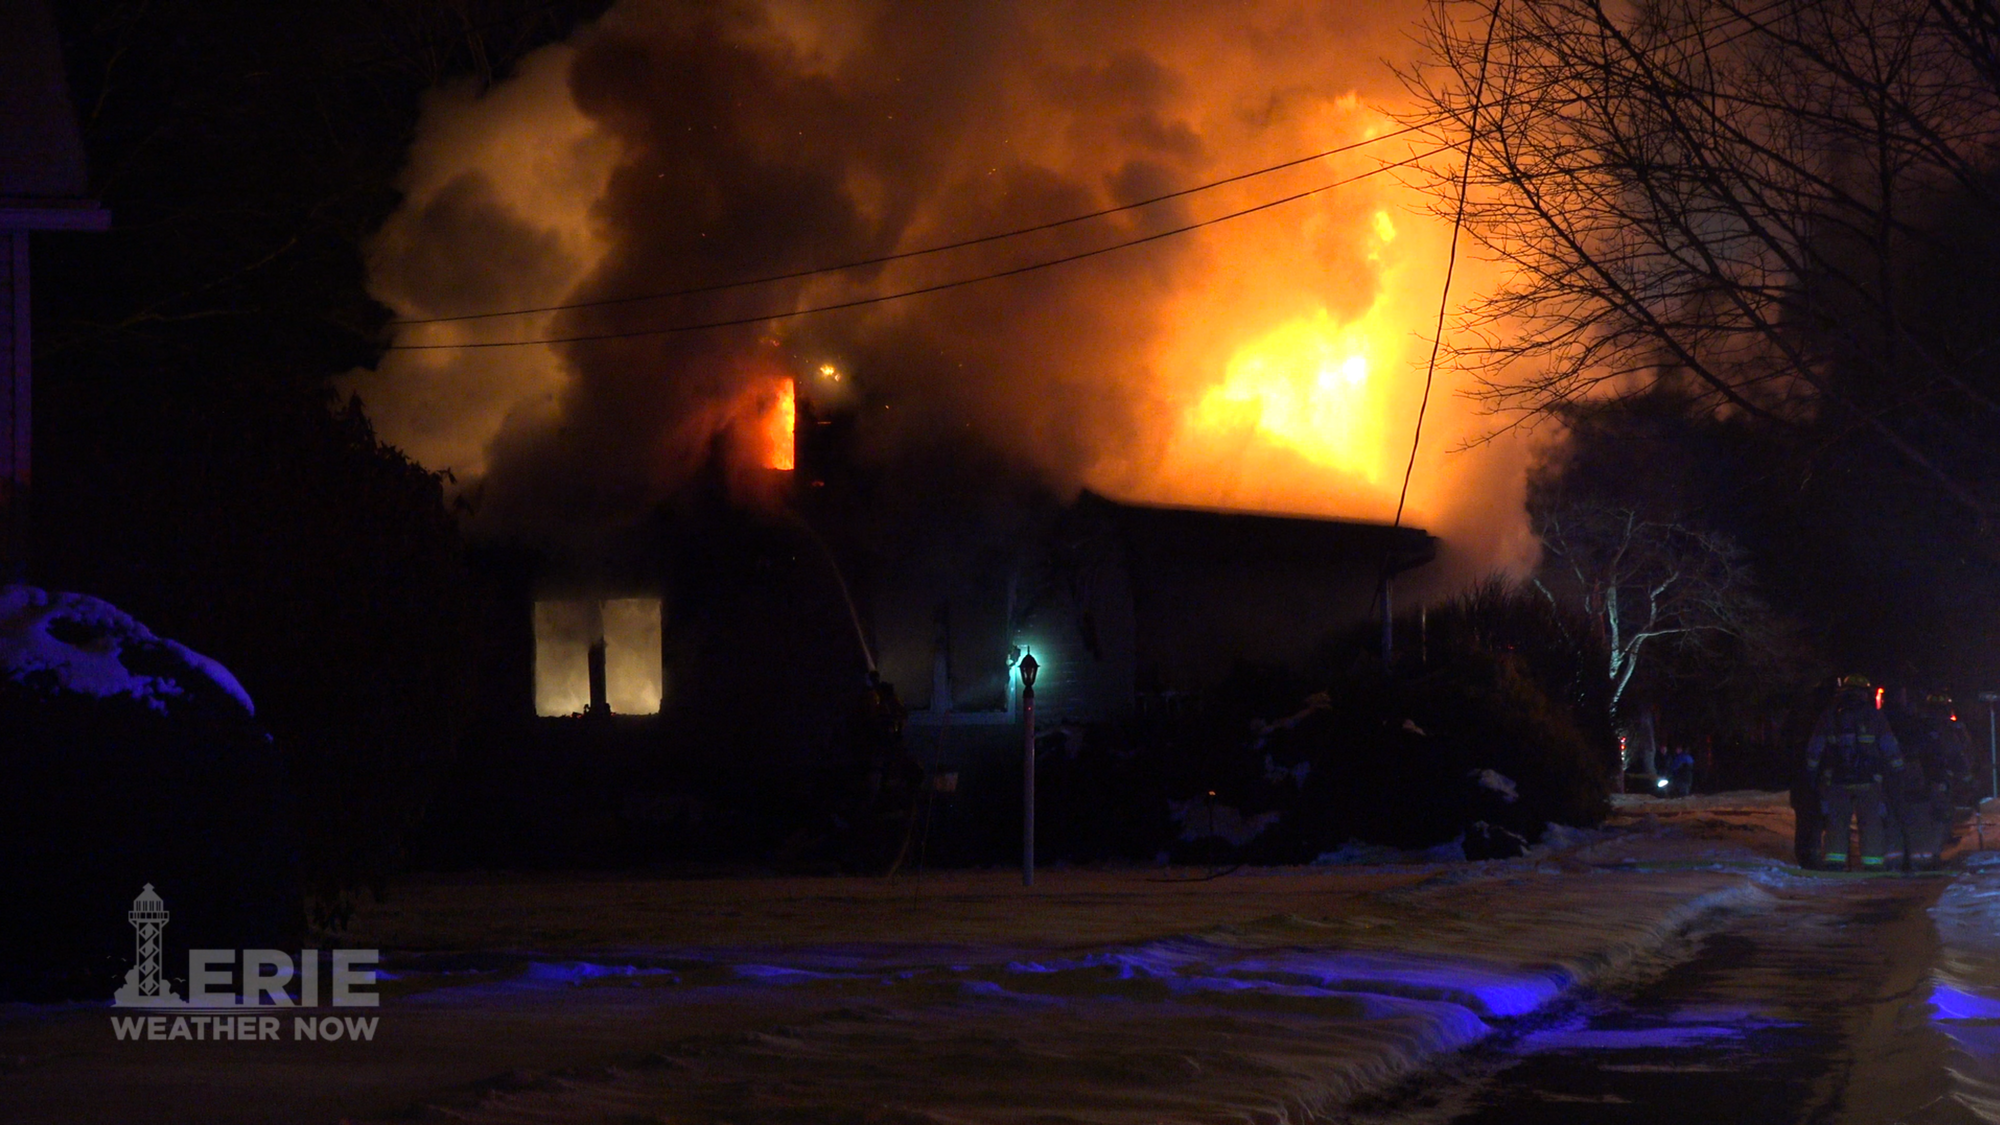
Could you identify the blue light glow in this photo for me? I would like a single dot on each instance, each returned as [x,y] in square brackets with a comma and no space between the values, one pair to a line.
[1628,1039]
[576,972]
[1957,1004]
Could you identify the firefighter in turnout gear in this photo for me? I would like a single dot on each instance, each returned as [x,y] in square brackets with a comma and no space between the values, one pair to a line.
[1850,753]
[1938,756]
[890,777]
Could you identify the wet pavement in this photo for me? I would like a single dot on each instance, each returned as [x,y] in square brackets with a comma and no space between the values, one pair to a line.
[1815,1008]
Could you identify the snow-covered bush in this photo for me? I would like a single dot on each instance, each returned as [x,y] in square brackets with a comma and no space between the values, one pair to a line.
[51,643]
[129,759]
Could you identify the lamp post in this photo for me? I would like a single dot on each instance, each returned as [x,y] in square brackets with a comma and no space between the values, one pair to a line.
[1029,666]
[1992,744]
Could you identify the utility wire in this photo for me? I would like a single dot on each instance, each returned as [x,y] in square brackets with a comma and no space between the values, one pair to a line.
[1450,261]
[939,249]
[1749,17]
[1444,299]
[860,302]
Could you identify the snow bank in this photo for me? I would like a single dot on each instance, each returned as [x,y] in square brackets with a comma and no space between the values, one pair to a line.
[76,643]
[1356,853]
[1203,819]
[1965,986]
[1576,1034]
[578,972]
[1278,1019]
[1175,1031]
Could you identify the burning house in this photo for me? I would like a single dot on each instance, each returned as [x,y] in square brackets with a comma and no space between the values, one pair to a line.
[705,667]
[1045,395]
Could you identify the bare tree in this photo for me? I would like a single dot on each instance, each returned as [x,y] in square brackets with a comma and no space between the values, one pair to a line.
[1734,194]
[1648,585]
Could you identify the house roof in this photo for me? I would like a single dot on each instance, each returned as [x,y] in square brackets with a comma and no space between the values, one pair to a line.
[1196,532]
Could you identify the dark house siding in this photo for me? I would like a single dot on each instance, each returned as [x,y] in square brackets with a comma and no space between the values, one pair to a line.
[1120,601]
[1211,589]
[1121,604]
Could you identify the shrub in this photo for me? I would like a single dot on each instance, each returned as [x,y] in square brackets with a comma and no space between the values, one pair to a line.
[130,760]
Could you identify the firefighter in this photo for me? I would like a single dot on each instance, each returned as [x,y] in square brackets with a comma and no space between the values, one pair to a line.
[1851,750]
[875,733]
[1937,759]
[890,776]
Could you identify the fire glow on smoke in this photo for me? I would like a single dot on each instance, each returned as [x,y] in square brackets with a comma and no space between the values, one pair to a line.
[1271,362]
[1308,386]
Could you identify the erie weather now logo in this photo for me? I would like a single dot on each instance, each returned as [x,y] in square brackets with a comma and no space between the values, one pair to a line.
[240,995]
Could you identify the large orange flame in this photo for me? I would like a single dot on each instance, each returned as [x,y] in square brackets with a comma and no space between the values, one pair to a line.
[1304,386]
[1293,377]
[1273,362]
[781,416]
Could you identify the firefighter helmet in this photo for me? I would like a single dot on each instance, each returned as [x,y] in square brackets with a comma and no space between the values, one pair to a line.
[1855,680]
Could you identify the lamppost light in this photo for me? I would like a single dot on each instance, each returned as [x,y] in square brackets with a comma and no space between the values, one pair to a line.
[1028,666]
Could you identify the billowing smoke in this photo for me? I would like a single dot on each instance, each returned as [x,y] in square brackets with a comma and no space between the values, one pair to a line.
[1269,362]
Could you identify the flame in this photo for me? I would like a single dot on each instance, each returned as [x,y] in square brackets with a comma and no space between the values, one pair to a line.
[1292,369]
[781,417]
[1275,362]
[1303,386]
[757,427]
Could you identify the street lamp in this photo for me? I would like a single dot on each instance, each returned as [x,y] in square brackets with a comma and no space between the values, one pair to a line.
[1029,666]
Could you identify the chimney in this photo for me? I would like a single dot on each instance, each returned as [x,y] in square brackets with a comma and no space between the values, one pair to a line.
[600,704]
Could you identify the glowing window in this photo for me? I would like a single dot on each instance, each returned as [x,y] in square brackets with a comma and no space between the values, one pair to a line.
[566,631]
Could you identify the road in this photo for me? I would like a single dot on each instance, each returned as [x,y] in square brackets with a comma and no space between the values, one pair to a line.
[1671,966]
[1815,1006]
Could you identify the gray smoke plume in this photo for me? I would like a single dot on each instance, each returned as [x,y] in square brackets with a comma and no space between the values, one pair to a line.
[1269,362]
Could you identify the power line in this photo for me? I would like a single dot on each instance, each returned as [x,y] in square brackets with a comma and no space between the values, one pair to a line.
[1450,261]
[1749,17]
[1465,179]
[940,286]
[939,249]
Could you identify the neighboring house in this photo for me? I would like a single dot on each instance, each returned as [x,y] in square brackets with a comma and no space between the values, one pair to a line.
[42,187]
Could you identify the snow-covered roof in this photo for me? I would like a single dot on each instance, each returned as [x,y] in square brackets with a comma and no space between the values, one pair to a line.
[77,643]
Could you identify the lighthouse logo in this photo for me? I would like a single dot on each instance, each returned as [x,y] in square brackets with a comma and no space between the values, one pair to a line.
[238,994]
[146,985]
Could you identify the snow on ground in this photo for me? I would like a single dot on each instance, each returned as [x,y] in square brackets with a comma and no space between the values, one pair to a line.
[1278,1016]
[1965,985]
[1136,995]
